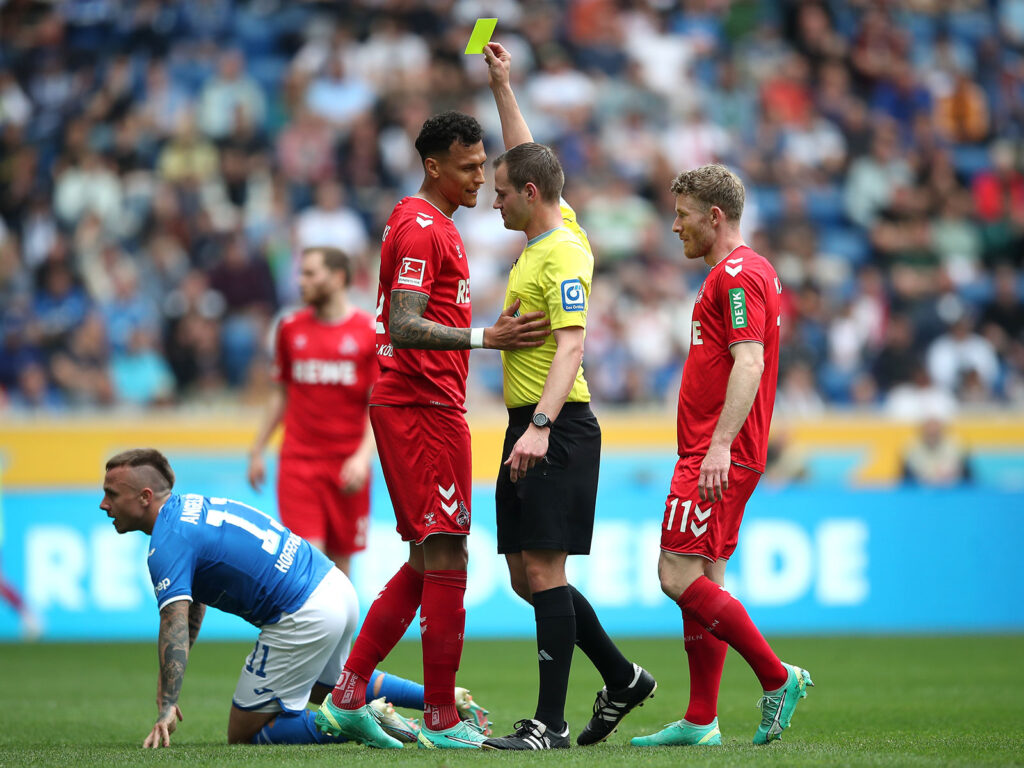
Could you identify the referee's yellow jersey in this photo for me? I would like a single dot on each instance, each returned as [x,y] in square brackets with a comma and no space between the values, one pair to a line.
[552,275]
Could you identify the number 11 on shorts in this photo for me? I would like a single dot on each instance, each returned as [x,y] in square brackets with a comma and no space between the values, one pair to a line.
[252,660]
[672,509]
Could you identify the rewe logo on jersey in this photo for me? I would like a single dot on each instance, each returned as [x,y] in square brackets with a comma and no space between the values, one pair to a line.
[324,372]
[411,272]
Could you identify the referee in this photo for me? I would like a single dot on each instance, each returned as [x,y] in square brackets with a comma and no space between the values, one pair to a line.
[547,483]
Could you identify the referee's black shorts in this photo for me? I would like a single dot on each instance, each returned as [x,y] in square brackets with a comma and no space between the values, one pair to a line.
[553,506]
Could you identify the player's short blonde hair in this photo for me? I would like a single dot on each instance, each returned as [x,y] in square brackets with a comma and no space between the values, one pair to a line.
[712,185]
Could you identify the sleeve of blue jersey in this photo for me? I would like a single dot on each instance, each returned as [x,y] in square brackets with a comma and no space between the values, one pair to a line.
[171,564]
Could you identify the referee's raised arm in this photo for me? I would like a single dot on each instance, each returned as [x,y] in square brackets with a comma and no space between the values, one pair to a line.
[514,130]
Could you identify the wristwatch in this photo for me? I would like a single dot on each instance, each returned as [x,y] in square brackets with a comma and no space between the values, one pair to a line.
[540,420]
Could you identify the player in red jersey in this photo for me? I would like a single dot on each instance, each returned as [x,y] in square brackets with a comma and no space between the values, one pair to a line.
[725,409]
[325,365]
[417,411]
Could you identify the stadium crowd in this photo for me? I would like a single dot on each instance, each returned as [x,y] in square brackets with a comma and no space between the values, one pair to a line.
[162,165]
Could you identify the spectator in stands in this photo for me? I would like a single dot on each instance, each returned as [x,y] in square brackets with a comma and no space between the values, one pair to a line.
[35,391]
[898,358]
[60,305]
[1002,318]
[797,395]
[872,177]
[82,369]
[934,457]
[960,350]
[89,185]
[999,204]
[339,96]
[919,398]
[962,113]
[188,156]
[330,220]
[101,162]
[226,93]
[140,373]
[305,148]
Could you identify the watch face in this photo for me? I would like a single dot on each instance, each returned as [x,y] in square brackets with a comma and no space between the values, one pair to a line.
[541,420]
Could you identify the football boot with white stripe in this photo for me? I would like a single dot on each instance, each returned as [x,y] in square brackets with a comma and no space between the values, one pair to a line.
[611,706]
[395,725]
[777,706]
[462,735]
[531,734]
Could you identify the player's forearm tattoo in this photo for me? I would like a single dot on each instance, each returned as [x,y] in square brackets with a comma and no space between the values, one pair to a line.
[172,648]
[196,612]
[409,329]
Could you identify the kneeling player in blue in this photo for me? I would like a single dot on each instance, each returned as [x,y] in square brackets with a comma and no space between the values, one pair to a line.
[213,551]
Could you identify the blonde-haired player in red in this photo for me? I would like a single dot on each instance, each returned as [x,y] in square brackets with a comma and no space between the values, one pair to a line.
[725,408]
[417,410]
[325,365]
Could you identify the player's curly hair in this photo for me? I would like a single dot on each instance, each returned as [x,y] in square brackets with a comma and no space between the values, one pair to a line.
[144,457]
[713,185]
[536,163]
[438,133]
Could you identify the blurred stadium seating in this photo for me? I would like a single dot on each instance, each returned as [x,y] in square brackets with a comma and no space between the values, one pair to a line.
[162,163]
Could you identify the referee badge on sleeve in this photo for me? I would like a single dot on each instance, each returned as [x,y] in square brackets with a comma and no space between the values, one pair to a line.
[573,297]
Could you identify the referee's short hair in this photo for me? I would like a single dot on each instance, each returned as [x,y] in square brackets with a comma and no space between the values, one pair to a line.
[712,185]
[335,259]
[536,163]
[145,457]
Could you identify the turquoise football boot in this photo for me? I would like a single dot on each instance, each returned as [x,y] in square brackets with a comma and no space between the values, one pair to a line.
[682,733]
[777,706]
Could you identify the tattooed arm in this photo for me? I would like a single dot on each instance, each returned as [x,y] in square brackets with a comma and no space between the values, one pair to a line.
[410,330]
[196,612]
[172,649]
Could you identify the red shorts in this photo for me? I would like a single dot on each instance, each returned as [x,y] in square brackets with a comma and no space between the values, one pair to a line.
[695,527]
[427,461]
[312,504]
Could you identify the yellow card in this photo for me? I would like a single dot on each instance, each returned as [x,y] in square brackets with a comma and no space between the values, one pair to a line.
[482,31]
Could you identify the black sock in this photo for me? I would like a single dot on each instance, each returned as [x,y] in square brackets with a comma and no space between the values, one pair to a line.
[615,669]
[556,632]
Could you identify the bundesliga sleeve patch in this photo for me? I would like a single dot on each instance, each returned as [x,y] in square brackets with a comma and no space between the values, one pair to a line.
[738,307]
[573,297]
[411,271]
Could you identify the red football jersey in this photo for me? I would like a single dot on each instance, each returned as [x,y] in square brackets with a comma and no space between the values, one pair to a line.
[739,301]
[327,372]
[422,251]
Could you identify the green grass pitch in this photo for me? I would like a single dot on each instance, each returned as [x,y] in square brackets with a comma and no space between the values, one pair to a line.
[917,701]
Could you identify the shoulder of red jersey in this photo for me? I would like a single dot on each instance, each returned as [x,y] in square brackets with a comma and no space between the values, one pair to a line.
[294,315]
[416,212]
[744,263]
[361,317]
[287,319]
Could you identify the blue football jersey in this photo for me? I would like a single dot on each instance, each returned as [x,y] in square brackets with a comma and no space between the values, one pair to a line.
[231,556]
